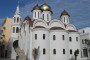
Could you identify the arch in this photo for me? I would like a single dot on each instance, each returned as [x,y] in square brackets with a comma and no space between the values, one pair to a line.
[17,30]
[71,27]
[56,23]
[40,23]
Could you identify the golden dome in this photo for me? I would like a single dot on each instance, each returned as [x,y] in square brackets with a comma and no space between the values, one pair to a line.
[46,7]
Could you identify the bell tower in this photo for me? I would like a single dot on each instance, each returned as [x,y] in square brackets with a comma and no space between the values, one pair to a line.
[15,30]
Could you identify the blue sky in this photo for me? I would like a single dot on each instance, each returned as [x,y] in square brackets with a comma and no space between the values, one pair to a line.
[79,10]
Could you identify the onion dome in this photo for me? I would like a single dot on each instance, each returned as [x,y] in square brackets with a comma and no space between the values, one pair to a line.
[64,13]
[36,7]
[46,7]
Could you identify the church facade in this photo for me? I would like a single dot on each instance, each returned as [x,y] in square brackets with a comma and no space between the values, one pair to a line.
[55,39]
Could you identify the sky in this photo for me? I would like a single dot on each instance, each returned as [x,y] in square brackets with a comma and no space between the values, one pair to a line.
[79,10]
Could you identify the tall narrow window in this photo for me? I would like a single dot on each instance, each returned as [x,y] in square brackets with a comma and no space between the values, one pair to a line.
[83,31]
[63,51]
[43,16]
[38,14]
[54,37]
[70,51]
[47,17]
[63,37]
[82,42]
[35,36]
[64,19]
[54,51]
[70,39]
[44,51]
[17,30]
[35,14]
[13,29]
[14,19]
[17,19]
[76,38]
[43,36]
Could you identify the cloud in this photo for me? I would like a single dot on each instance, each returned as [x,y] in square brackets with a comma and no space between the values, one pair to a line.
[78,10]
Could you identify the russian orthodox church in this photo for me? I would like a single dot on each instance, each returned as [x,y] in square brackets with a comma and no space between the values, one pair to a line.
[55,39]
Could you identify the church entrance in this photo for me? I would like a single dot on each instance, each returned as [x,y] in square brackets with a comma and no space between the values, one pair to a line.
[15,44]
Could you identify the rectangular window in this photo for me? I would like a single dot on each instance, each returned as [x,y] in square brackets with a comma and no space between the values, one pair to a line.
[54,37]
[35,36]
[63,37]
[70,51]
[54,51]
[63,51]
[76,38]
[44,51]
[43,36]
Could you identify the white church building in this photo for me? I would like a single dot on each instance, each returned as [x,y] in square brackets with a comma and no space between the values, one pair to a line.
[57,39]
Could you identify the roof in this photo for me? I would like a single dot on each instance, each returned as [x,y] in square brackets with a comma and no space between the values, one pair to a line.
[64,13]
[27,18]
[56,28]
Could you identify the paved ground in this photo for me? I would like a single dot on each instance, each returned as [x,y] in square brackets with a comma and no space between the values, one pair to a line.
[5,59]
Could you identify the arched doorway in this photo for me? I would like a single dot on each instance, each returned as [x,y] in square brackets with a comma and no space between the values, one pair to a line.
[15,44]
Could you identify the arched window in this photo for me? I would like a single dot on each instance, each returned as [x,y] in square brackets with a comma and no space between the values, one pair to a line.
[43,16]
[35,36]
[54,51]
[76,38]
[70,39]
[63,37]
[13,29]
[43,36]
[70,51]
[44,51]
[83,31]
[17,19]
[63,51]
[14,19]
[17,30]
[54,37]
[64,19]
[82,42]
[38,14]
[35,14]
[47,17]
